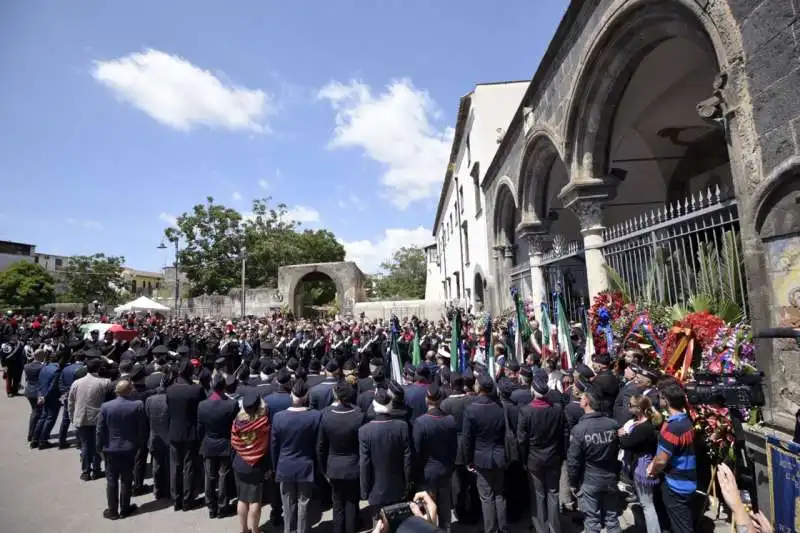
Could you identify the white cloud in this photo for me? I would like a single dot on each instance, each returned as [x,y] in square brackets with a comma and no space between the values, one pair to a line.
[237,197]
[172,220]
[369,255]
[85,224]
[264,184]
[181,95]
[303,214]
[395,128]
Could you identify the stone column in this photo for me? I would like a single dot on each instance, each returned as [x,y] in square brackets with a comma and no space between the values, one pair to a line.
[499,275]
[538,287]
[508,265]
[590,215]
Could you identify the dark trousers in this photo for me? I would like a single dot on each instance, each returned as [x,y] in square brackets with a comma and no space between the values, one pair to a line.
[119,480]
[600,506]
[182,467]
[465,496]
[345,494]
[140,467]
[217,472]
[159,451]
[545,511]
[275,500]
[90,456]
[13,378]
[491,491]
[36,412]
[679,509]
[442,494]
[47,420]
[64,428]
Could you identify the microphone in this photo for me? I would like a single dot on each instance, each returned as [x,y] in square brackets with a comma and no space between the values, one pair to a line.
[777,333]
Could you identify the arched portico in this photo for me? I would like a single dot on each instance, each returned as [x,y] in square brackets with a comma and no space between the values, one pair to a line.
[506,244]
[347,277]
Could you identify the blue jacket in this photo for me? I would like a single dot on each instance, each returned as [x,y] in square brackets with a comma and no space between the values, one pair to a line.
[68,377]
[48,381]
[294,439]
[122,426]
[415,399]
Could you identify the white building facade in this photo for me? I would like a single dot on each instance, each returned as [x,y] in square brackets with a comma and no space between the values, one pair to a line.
[459,262]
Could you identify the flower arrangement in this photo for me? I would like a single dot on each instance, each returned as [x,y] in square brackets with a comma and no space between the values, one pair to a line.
[713,425]
[685,338]
[731,350]
[606,309]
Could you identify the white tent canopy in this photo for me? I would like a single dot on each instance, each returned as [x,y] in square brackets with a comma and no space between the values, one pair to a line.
[141,303]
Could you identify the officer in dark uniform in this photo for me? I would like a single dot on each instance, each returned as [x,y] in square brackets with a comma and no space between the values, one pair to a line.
[522,394]
[573,412]
[140,392]
[215,417]
[31,371]
[315,376]
[156,410]
[464,493]
[385,456]
[321,395]
[606,383]
[592,464]
[435,446]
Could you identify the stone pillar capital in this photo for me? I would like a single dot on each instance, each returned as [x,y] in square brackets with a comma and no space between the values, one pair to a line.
[508,251]
[589,213]
[498,251]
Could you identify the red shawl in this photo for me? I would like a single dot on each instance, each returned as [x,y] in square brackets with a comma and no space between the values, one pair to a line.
[250,436]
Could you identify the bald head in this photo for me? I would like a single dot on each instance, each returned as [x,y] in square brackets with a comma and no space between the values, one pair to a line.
[124,388]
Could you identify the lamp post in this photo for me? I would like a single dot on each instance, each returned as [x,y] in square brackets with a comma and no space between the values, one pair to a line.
[163,246]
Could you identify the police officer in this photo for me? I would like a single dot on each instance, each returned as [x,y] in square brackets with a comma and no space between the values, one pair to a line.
[592,465]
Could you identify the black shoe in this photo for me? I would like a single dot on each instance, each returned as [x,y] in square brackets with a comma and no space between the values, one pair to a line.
[108,514]
[86,476]
[177,506]
[98,474]
[44,445]
[63,446]
[132,508]
[213,512]
[33,445]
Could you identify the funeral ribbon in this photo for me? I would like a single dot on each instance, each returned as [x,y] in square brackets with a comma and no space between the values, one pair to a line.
[604,328]
[644,326]
[684,352]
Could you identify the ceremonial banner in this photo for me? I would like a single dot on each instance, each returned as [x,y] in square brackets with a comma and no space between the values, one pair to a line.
[783,466]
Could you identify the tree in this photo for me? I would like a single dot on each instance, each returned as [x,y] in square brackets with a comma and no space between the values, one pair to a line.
[26,284]
[95,277]
[215,239]
[404,277]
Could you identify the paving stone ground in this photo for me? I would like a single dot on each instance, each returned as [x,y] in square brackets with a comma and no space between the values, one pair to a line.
[40,491]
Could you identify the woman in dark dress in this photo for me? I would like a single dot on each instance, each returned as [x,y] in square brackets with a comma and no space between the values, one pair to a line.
[250,437]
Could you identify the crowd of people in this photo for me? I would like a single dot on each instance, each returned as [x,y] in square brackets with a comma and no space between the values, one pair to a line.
[281,412]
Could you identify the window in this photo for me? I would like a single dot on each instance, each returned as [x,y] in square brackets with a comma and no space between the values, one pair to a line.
[458,285]
[466,242]
[461,198]
[475,173]
[59,263]
[36,259]
[450,224]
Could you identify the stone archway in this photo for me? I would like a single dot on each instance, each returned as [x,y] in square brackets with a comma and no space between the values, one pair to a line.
[347,277]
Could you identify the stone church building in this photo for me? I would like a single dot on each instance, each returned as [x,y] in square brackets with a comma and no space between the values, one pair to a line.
[659,138]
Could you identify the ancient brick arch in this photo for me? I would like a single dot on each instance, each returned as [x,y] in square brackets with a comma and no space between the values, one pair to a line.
[346,275]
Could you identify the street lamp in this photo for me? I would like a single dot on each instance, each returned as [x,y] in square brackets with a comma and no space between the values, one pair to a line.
[163,246]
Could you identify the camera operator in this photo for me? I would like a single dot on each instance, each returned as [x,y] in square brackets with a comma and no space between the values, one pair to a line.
[423,519]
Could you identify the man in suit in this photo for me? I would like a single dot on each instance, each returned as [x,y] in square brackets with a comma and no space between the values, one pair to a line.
[464,493]
[337,455]
[120,432]
[315,376]
[215,417]
[484,451]
[183,398]
[435,446]
[416,393]
[49,400]
[384,456]
[32,371]
[86,396]
[154,378]
[155,408]
[277,401]
[321,395]
[68,377]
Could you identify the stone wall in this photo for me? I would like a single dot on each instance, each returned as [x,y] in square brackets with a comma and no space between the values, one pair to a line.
[257,302]
[423,309]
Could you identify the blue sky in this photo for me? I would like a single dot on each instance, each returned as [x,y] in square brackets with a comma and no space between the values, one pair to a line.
[117,116]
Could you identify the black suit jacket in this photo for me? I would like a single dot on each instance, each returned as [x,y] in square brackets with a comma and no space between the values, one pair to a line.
[321,395]
[484,433]
[215,419]
[183,398]
[435,447]
[384,460]
[153,381]
[337,442]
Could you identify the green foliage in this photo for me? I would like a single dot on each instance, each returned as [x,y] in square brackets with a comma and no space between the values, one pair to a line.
[404,277]
[215,238]
[27,285]
[95,277]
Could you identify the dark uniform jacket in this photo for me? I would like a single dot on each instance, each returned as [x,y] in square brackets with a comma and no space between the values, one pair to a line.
[121,426]
[320,395]
[183,398]
[608,385]
[415,395]
[384,460]
[337,442]
[215,419]
[68,376]
[541,435]
[435,447]
[622,412]
[522,396]
[484,434]
[32,371]
[593,449]
[156,410]
[455,406]
[153,381]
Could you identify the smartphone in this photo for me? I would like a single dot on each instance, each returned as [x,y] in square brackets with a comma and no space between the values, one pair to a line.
[396,514]
[748,501]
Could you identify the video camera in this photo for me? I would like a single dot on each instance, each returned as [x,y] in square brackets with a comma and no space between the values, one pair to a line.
[735,390]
